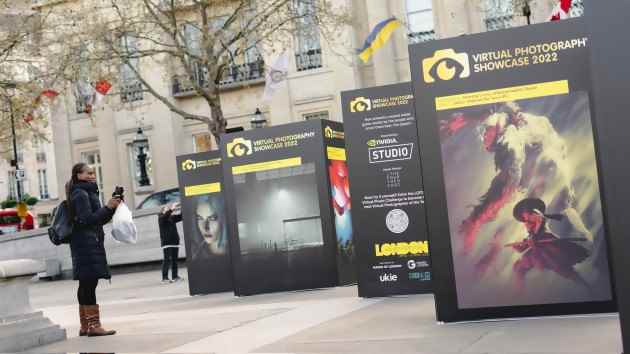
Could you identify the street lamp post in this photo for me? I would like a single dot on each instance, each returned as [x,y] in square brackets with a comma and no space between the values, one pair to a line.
[18,186]
[140,142]
[10,89]
[258,120]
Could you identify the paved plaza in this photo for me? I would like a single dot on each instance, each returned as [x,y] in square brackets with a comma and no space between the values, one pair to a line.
[161,318]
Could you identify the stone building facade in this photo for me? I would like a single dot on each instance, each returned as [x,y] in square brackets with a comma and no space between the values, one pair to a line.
[318,71]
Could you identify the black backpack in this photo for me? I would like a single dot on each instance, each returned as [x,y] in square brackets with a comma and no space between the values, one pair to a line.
[60,231]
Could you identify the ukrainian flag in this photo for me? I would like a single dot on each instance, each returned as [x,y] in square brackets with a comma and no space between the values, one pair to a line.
[378,37]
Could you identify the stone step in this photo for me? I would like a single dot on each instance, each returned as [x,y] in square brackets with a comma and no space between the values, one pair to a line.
[18,333]
[25,325]
[9,319]
[27,340]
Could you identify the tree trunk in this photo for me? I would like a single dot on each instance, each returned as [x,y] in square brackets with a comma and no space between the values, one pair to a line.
[218,123]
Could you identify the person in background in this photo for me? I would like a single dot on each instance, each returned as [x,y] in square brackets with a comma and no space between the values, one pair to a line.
[168,217]
[89,261]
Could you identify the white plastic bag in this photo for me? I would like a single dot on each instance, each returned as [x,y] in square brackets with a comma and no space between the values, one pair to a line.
[123,228]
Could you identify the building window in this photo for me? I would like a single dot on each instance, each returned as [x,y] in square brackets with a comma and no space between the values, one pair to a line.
[577,8]
[249,67]
[93,159]
[130,85]
[316,115]
[202,142]
[13,186]
[420,20]
[43,184]
[252,55]
[308,54]
[499,14]
[134,164]
[40,149]
[192,38]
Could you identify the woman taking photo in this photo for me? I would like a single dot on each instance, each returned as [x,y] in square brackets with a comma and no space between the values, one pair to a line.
[89,262]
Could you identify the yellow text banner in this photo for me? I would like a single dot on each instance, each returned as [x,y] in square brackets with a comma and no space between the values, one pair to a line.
[266,166]
[335,153]
[202,189]
[514,93]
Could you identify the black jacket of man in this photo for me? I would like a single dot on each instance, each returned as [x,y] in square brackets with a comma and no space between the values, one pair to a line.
[168,228]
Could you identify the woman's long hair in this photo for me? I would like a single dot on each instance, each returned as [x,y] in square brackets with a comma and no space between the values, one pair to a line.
[74,179]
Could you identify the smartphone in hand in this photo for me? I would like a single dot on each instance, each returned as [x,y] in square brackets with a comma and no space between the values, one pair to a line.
[119,192]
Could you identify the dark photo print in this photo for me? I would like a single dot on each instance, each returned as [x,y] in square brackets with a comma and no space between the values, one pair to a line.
[280,227]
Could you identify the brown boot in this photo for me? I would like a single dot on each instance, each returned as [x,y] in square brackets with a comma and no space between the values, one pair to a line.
[93,317]
[84,323]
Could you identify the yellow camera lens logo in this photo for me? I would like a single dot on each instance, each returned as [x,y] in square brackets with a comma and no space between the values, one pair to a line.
[445,65]
[189,165]
[360,104]
[239,147]
[328,132]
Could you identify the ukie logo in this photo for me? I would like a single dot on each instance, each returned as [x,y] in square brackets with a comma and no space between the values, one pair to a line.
[388,278]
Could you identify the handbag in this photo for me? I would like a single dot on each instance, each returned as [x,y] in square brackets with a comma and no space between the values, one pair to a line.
[60,231]
[123,228]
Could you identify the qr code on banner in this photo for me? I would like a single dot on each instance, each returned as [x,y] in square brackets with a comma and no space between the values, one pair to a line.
[393,179]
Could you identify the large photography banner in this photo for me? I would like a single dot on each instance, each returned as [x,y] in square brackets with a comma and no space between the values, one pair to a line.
[516,224]
[386,191]
[205,223]
[283,233]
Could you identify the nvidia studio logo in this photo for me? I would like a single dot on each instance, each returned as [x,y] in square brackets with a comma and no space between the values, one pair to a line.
[390,153]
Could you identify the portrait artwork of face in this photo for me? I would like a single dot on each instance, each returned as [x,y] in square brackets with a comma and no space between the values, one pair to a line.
[211,223]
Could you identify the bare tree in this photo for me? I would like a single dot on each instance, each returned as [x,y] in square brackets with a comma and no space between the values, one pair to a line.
[20,86]
[201,40]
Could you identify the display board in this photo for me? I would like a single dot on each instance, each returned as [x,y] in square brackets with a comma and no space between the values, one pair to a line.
[516,222]
[205,223]
[386,190]
[283,229]
[607,27]
[339,189]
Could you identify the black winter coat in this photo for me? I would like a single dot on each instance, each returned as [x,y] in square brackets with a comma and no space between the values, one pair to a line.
[168,228]
[89,260]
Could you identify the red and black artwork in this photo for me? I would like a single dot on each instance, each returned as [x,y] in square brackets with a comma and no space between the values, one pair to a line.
[524,203]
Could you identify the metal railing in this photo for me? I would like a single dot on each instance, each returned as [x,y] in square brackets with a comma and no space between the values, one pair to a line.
[419,37]
[499,22]
[131,92]
[309,60]
[232,76]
